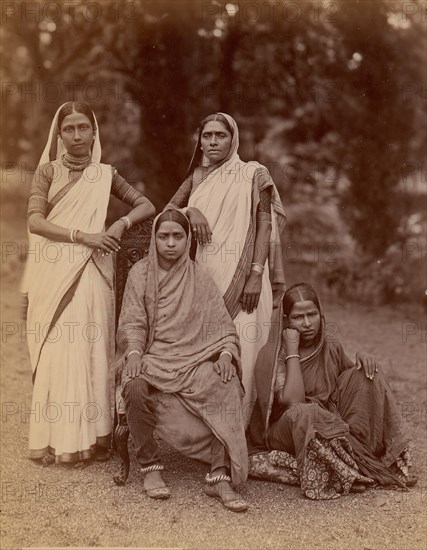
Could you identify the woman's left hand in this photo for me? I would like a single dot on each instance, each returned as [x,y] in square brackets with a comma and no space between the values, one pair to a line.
[251,292]
[116,229]
[368,362]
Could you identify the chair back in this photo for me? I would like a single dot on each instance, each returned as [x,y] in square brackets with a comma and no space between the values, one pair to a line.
[134,246]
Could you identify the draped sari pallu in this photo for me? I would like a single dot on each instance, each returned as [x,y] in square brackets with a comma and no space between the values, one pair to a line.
[228,195]
[70,294]
[347,431]
[181,325]
[229,198]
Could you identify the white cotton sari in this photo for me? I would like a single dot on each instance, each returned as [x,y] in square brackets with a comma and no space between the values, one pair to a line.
[226,198]
[70,329]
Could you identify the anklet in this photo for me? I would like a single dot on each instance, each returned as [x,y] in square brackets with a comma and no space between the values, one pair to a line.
[212,480]
[152,468]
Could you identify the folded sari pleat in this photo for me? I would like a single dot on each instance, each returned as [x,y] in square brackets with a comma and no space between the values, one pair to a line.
[71,310]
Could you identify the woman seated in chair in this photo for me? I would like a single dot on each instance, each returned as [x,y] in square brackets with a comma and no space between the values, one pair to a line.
[179,355]
[338,419]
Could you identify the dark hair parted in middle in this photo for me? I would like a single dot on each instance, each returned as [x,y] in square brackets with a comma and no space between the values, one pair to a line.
[216,117]
[298,293]
[173,216]
[76,107]
[197,155]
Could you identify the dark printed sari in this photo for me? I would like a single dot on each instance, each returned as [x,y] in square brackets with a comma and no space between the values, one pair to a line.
[348,430]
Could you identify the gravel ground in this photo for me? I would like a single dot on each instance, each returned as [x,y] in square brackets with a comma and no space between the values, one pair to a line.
[62,506]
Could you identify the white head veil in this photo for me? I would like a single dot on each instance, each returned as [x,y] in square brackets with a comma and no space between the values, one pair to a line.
[199,159]
[55,148]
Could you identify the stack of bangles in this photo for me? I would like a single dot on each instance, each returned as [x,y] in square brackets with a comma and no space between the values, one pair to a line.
[127,221]
[257,267]
[73,235]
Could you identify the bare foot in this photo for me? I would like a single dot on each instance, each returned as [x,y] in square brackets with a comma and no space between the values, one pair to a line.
[224,492]
[47,460]
[154,486]
[82,464]
[153,480]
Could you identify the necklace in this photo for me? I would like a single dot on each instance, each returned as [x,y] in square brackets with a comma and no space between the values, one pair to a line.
[75,163]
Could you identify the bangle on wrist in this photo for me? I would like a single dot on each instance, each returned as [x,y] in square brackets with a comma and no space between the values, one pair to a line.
[134,352]
[72,235]
[127,221]
[293,355]
[258,268]
[226,352]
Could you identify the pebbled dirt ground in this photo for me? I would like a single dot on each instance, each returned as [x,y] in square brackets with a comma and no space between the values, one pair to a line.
[60,506]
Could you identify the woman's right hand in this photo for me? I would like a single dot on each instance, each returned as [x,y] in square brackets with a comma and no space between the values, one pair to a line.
[225,368]
[291,340]
[133,367]
[199,225]
[100,241]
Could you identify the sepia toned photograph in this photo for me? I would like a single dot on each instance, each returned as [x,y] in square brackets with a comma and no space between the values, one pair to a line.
[213,274]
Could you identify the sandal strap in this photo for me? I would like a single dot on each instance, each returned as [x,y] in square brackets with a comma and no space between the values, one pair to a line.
[152,468]
[213,480]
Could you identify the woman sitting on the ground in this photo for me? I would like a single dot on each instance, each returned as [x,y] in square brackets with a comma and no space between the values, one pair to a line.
[181,365]
[338,419]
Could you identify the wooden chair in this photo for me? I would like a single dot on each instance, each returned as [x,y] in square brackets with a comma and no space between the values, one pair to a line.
[134,246]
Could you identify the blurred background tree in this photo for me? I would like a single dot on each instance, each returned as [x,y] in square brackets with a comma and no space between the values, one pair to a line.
[328,94]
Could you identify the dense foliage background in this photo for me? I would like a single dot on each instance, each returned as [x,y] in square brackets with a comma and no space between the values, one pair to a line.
[330,95]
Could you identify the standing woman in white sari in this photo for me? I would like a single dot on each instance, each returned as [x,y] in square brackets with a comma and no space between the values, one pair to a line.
[237,217]
[69,285]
